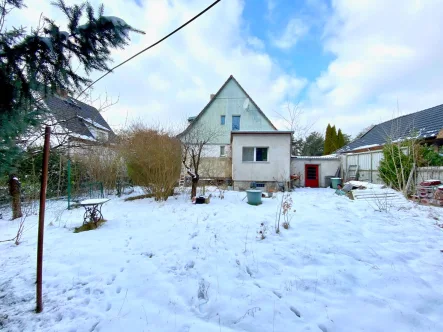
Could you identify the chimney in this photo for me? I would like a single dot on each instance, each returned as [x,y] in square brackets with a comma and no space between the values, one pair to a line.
[211,96]
[63,93]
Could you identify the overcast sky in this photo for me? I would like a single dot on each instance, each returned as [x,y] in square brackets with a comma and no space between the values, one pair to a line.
[345,62]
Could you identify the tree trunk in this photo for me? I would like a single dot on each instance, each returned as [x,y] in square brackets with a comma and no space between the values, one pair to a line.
[14,191]
[194,187]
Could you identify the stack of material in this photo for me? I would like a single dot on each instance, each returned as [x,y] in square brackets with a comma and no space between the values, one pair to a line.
[428,192]
[438,195]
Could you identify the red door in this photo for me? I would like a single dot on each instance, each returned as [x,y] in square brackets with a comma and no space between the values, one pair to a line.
[311,176]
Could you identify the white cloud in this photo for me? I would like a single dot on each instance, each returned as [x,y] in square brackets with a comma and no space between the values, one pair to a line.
[271,4]
[174,79]
[256,43]
[295,29]
[386,51]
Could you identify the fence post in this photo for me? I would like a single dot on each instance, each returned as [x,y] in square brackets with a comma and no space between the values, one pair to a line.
[41,220]
[69,184]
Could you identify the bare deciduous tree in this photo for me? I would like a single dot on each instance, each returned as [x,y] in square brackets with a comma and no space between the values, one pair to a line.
[291,115]
[194,142]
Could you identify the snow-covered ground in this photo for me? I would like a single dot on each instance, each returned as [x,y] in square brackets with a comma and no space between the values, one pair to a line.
[176,266]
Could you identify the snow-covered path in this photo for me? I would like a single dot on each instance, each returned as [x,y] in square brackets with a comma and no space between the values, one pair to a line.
[175,266]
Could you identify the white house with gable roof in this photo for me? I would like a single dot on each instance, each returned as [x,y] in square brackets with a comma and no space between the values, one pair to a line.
[232,118]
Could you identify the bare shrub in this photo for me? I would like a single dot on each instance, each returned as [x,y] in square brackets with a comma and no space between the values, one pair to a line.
[29,207]
[104,164]
[284,209]
[153,159]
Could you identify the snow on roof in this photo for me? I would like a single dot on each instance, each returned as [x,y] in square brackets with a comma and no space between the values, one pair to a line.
[330,157]
[242,132]
[368,146]
[85,137]
[94,123]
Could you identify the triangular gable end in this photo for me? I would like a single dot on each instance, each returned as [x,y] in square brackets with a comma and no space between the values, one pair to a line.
[231,78]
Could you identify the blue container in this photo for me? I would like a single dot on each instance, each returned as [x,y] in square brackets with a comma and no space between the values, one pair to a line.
[335,182]
[254,196]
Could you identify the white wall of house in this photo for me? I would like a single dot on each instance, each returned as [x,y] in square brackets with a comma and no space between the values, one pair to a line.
[277,166]
[216,150]
[326,167]
[231,101]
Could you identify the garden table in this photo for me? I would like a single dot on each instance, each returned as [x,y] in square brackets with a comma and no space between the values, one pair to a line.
[93,209]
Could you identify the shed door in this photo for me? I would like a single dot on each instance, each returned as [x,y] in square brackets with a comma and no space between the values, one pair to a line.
[311,176]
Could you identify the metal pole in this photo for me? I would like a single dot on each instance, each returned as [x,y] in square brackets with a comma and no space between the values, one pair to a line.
[41,219]
[69,184]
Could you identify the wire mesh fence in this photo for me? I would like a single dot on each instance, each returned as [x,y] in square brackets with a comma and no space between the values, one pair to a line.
[69,180]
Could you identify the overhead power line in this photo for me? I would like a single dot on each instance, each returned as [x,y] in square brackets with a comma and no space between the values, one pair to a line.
[151,46]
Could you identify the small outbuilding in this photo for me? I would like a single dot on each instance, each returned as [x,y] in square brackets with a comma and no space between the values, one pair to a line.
[315,171]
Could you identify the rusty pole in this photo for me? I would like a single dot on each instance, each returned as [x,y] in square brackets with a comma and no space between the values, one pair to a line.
[41,219]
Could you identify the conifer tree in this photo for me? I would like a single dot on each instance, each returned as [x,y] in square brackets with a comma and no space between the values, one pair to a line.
[334,139]
[40,62]
[328,137]
[313,145]
[340,139]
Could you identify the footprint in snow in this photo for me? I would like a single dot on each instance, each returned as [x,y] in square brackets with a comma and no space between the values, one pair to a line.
[118,290]
[322,327]
[108,306]
[111,280]
[277,294]
[185,328]
[122,269]
[295,311]
[98,291]
[189,265]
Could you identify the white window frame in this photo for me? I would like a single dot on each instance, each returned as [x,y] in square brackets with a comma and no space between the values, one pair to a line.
[223,147]
[255,154]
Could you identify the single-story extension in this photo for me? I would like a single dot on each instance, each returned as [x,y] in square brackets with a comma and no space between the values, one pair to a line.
[262,157]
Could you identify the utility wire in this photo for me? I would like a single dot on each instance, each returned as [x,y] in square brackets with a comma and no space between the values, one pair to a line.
[151,46]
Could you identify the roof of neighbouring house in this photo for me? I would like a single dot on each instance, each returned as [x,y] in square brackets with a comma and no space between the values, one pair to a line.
[425,124]
[77,117]
[215,97]
[265,132]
